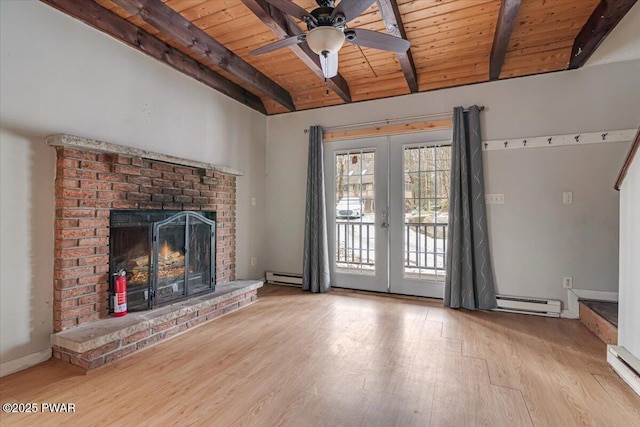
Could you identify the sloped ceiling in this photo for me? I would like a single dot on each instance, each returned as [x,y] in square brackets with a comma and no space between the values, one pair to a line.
[453,43]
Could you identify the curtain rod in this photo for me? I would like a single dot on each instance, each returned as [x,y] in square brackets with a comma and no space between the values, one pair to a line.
[388,121]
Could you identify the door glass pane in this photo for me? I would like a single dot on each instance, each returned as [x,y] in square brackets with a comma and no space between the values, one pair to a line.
[355,211]
[426,198]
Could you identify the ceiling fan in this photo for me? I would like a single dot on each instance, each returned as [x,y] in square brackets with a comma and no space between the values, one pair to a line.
[328,31]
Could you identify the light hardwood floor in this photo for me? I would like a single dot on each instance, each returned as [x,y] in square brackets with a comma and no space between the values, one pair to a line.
[345,359]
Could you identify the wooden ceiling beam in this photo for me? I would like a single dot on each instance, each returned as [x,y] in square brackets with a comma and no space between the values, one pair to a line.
[603,19]
[119,28]
[182,31]
[393,21]
[283,26]
[504,28]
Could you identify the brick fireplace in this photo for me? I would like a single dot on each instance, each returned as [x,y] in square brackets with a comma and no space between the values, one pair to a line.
[92,179]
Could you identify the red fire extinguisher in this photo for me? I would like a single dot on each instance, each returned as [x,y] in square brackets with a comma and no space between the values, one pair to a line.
[120,294]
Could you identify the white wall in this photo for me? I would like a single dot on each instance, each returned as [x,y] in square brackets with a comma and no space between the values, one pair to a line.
[536,240]
[27,170]
[628,313]
[58,75]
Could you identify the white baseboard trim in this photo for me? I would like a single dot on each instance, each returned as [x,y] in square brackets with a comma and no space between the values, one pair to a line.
[573,311]
[24,362]
[626,365]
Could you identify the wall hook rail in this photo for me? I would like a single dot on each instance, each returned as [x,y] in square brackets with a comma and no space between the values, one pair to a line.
[599,137]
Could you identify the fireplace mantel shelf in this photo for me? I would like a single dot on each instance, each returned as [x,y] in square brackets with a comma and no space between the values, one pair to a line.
[86,144]
[93,335]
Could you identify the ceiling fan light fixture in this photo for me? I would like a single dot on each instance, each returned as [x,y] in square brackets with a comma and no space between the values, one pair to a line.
[325,39]
[329,64]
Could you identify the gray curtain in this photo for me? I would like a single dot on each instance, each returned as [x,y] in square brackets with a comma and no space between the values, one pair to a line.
[315,268]
[469,281]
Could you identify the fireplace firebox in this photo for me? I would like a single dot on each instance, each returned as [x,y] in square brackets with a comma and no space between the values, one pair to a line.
[167,255]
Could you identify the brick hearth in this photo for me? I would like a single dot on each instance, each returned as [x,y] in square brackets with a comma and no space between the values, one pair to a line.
[94,177]
[98,343]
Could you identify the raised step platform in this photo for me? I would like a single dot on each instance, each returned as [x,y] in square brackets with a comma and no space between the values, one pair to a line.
[601,317]
[98,343]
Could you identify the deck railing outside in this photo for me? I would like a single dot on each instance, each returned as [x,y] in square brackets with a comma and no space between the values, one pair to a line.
[424,247]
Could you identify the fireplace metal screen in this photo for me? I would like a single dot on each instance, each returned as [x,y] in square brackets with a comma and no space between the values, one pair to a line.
[167,255]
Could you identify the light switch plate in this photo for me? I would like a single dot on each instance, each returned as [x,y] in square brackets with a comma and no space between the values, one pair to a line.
[567,197]
[494,199]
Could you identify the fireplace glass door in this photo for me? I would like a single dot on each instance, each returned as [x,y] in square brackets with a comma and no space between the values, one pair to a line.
[200,238]
[167,255]
[183,246]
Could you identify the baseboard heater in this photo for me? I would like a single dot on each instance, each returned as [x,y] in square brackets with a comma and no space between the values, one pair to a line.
[288,279]
[528,305]
[626,365]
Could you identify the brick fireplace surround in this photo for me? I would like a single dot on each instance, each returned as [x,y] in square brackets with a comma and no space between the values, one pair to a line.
[94,177]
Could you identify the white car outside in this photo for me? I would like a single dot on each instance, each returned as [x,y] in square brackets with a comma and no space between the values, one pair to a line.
[349,207]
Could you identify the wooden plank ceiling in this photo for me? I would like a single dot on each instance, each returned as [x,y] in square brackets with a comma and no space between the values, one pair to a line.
[453,43]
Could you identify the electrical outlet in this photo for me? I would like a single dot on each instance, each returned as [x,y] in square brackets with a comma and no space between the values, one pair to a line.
[567,282]
[254,261]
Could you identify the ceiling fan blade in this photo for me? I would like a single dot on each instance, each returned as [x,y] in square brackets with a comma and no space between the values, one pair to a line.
[376,40]
[351,8]
[292,9]
[329,65]
[289,41]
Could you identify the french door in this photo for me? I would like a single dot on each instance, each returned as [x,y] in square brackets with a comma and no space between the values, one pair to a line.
[387,202]
[357,193]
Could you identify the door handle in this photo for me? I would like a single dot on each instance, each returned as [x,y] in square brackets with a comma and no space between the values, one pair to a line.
[384,225]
